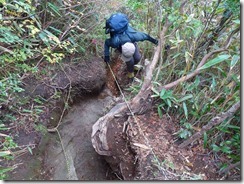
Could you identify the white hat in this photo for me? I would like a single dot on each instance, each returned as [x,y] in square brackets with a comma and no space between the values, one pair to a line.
[128,50]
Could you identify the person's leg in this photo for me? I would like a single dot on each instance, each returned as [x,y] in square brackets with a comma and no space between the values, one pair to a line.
[130,65]
[130,68]
[137,54]
[134,60]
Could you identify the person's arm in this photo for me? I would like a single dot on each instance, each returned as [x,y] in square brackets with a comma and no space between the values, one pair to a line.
[106,50]
[113,42]
[136,36]
[151,39]
[140,36]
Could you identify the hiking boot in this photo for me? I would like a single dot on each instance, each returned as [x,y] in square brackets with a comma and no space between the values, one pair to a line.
[130,75]
[137,68]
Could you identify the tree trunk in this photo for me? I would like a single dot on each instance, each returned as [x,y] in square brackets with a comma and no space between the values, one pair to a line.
[212,123]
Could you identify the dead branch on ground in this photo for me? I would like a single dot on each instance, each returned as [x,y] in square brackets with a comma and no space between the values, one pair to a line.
[213,122]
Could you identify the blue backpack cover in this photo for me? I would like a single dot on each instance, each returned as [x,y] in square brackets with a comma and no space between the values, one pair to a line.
[117,23]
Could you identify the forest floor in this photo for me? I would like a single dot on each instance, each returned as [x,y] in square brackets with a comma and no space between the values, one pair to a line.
[195,162]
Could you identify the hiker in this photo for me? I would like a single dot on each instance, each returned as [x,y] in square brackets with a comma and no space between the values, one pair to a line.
[124,38]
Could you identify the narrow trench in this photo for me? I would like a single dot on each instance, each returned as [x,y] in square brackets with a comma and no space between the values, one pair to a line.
[111,83]
[84,163]
[80,161]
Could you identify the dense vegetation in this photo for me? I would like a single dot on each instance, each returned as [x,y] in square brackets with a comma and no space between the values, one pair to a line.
[33,32]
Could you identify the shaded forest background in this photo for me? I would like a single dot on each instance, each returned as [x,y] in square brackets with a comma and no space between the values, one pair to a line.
[197,77]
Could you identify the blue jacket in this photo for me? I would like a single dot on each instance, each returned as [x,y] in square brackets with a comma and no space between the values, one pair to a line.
[130,35]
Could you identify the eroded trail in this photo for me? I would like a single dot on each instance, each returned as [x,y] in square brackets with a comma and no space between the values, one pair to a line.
[79,161]
[69,153]
[70,156]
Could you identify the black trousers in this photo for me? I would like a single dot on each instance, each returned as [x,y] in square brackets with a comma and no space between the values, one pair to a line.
[134,60]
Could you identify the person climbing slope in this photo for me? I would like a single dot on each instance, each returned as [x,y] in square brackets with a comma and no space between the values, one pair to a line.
[124,38]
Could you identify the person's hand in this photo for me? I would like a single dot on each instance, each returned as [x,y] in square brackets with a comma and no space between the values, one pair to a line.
[155,41]
[106,59]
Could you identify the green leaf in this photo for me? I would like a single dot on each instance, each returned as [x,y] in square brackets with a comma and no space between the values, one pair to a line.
[155,91]
[185,98]
[56,30]
[188,126]
[38,101]
[52,37]
[44,38]
[233,127]
[205,139]
[2,171]
[214,84]
[215,148]
[228,142]
[222,71]
[29,149]
[197,81]
[185,110]
[54,8]
[189,18]
[176,55]
[234,60]
[184,133]
[226,149]
[162,93]
[27,111]
[225,165]
[2,127]
[237,21]
[160,113]
[4,153]
[169,102]
[214,61]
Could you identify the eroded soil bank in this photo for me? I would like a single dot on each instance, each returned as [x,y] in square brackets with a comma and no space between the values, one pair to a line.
[66,154]
[77,160]
[70,156]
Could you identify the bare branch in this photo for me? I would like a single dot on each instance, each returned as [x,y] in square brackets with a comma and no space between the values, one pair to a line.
[229,39]
[231,166]
[203,61]
[194,73]
[209,20]
[146,86]
[5,50]
[212,123]
[182,6]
